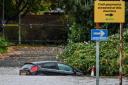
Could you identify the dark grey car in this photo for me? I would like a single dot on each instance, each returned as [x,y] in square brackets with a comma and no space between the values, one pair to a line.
[48,68]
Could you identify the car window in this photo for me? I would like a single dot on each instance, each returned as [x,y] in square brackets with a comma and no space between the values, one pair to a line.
[27,66]
[49,65]
[65,67]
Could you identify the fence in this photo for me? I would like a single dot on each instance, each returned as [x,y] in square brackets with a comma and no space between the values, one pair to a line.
[38,34]
[46,29]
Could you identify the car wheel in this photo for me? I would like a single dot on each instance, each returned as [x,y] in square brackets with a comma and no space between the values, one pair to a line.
[24,73]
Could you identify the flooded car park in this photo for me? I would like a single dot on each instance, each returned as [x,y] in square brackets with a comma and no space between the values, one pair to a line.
[9,71]
[10,76]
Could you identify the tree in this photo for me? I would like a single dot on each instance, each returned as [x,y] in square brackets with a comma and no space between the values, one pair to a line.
[80,12]
[13,8]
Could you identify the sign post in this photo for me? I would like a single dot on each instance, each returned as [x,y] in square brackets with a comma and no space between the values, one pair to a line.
[97,57]
[98,35]
[121,53]
[3,20]
[109,12]
[97,62]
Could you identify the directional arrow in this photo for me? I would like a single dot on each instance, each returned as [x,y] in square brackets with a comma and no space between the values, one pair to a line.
[102,33]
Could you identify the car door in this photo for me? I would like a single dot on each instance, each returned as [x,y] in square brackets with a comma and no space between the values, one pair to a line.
[65,69]
[49,68]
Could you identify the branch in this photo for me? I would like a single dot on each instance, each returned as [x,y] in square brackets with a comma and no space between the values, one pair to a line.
[18,12]
[19,2]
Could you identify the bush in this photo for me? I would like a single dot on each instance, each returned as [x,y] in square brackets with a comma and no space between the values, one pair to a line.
[76,33]
[82,56]
[3,45]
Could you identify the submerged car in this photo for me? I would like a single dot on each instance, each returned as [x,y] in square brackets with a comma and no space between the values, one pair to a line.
[48,68]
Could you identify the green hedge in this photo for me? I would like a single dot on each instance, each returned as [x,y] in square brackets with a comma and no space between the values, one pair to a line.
[82,56]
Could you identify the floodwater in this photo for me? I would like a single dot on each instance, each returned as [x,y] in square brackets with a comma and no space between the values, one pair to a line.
[9,76]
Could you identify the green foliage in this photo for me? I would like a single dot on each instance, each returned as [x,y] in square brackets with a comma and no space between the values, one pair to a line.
[76,34]
[82,56]
[79,55]
[3,45]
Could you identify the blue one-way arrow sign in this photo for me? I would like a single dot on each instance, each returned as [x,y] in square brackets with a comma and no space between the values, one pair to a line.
[99,34]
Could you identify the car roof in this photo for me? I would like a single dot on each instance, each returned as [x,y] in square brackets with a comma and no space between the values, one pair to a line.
[39,62]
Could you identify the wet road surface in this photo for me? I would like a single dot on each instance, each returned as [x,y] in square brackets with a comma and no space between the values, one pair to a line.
[9,76]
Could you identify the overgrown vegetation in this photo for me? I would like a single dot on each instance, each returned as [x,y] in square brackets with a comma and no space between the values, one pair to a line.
[76,34]
[82,56]
[3,45]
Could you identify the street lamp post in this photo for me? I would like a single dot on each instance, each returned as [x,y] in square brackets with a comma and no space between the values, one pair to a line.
[3,10]
[3,20]
[19,38]
[19,30]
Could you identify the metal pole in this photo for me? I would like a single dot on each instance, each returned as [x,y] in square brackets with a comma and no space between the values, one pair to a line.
[3,21]
[121,53]
[19,28]
[97,63]
[91,2]
[97,57]
[19,36]
[3,9]
[85,4]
